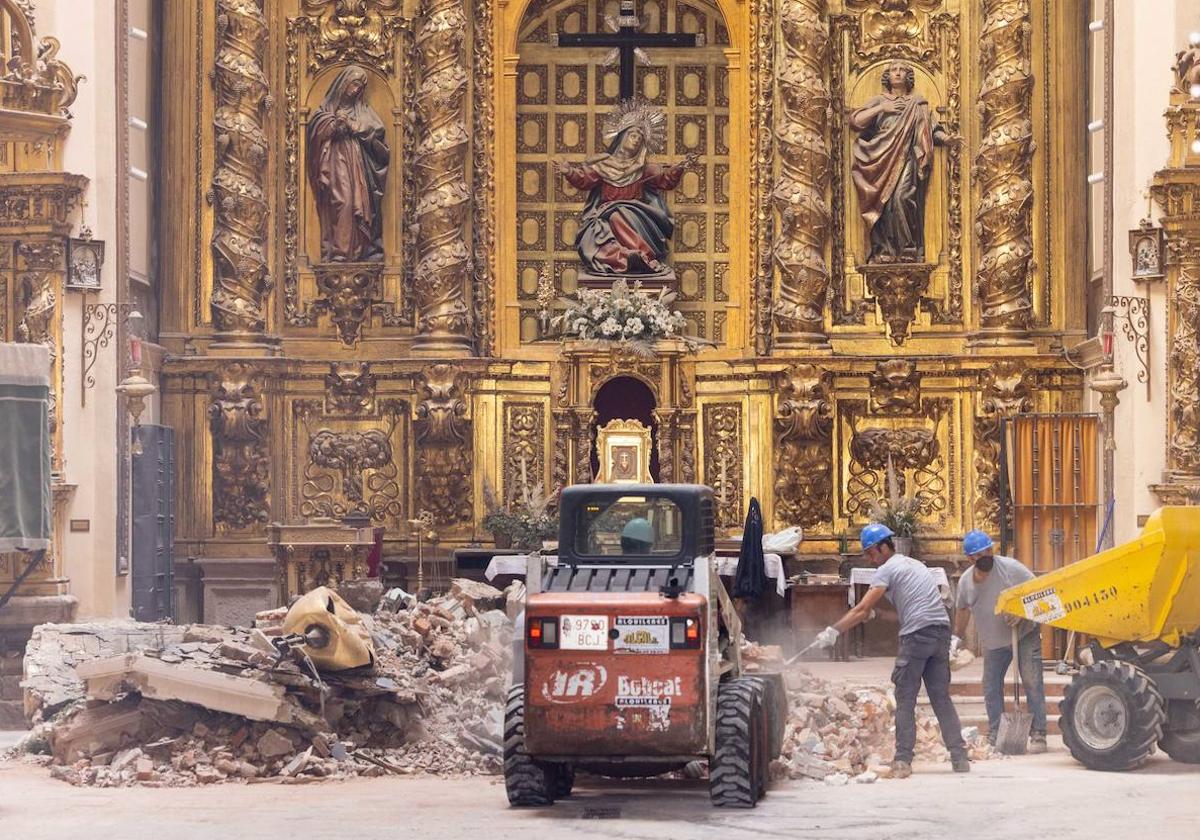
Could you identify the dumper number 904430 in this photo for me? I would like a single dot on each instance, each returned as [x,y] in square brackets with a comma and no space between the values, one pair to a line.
[1097,597]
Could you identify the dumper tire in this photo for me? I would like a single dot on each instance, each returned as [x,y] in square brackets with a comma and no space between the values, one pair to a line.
[1182,745]
[1089,703]
[775,707]
[736,766]
[527,782]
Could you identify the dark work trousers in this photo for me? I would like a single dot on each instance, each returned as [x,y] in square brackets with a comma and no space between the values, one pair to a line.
[925,655]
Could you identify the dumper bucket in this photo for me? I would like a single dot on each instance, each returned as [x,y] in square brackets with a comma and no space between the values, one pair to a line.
[1145,590]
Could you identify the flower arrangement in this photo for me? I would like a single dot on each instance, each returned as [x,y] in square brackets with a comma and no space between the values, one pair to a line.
[526,522]
[898,512]
[623,315]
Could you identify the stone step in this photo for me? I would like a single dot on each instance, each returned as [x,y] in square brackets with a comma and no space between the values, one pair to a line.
[974,688]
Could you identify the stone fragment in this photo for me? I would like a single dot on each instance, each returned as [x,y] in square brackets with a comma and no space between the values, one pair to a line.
[273,743]
[837,780]
[866,778]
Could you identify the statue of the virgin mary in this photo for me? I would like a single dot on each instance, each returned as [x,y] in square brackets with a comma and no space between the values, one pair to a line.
[626,226]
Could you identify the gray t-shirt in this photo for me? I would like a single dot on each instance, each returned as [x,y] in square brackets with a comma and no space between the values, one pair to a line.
[911,589]
[981,598]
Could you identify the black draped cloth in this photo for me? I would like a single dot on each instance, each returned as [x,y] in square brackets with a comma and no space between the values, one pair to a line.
[751,576]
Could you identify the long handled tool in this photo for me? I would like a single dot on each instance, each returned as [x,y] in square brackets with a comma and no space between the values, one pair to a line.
[798,655]
[1013,735]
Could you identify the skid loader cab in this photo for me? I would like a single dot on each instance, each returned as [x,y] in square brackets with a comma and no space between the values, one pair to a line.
[631,655]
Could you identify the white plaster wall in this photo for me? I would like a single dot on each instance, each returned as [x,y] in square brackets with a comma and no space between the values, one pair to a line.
[1147,33]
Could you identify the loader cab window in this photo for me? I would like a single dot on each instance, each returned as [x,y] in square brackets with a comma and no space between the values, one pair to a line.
[632,526]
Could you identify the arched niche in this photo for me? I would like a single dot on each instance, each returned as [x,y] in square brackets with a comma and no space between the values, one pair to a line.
[380,97]
[536,242]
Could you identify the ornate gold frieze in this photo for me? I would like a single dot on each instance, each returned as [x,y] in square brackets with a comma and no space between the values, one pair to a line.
[241,454]
[799,193]
[443,258]
[444,445]
[895,387]
[804,448]
[524,447]
[914,448]
[352,471]
[723,466]
[356,31]
[894,29]
[1006,389]
[39,201]
[1004,214]
[241,281]
[349,388]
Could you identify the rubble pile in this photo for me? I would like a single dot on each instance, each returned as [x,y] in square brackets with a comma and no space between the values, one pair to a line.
[841,733]
[153,705]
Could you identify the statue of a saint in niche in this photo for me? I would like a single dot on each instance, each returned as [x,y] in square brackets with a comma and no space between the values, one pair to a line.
[348,160]
[893,158]
[626,227]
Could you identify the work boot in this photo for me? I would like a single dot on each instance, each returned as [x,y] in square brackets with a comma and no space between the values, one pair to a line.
[1037,743]
[901,769]
[961,764]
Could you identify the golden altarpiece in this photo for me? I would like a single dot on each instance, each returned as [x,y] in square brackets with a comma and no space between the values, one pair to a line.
[379,350]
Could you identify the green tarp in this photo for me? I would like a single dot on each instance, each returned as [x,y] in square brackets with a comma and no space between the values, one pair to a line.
[25,498]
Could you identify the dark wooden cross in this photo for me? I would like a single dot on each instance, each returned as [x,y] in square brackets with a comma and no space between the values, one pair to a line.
[627,39]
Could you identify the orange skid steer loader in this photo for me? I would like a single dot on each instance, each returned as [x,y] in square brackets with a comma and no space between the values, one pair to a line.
[632,665]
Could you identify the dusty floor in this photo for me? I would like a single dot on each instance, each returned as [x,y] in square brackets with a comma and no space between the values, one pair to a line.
[1038,796]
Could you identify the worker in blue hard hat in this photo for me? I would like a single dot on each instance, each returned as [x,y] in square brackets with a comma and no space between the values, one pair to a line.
[978,589]
[637,537]
[924,653]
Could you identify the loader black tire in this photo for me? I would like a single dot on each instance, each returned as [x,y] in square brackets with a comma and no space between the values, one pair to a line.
[1112,716]
[775,707]
[1182,745]
[527,782]
[563,781]
[735,770]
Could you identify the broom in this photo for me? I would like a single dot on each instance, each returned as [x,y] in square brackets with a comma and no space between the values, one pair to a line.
[1013,736]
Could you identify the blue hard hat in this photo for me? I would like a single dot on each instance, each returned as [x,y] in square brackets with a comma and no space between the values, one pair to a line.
[976,541]
[874,534]
[639,529]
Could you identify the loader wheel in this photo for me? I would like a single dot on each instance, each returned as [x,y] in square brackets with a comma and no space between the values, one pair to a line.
[526,781]
[735,770]
[1112,716]
[564,780]
[776,713]
[1182,745]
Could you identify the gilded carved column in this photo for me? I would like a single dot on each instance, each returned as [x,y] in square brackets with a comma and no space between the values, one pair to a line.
[1004,166]
[240,283]
[803,181]
[1177,190]
[804,448]
[443,258]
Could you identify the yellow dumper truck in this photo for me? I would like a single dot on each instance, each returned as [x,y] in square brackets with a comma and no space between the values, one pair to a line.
[1139,681]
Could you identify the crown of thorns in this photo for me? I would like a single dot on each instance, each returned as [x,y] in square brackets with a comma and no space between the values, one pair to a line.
[637,113]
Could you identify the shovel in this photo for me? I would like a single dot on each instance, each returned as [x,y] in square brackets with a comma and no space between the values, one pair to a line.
[1013,735]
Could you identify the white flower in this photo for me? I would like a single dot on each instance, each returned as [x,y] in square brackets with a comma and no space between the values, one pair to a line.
[597,313]
[634,326]
[610,327]
[581,325]
[619,304]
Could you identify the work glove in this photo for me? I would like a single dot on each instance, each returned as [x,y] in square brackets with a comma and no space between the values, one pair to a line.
[827,638]
[955,644]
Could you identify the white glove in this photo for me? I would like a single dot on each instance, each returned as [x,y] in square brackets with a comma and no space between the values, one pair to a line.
[827,638]
[955,644]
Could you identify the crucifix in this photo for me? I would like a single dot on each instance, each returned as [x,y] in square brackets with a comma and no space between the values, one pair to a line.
[627,42]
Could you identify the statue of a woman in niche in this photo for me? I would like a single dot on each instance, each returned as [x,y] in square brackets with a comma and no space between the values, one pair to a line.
[893,158]
[626,227]
[348,160]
